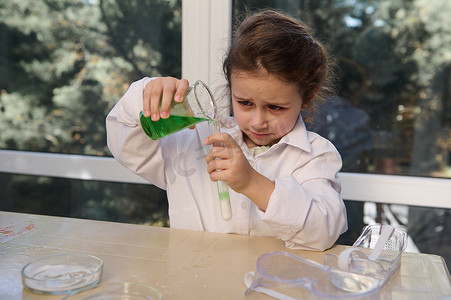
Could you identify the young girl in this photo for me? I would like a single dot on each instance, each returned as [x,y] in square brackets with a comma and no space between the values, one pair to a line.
[282,179]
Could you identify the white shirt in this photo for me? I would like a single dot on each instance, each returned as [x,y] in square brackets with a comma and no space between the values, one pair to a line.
[305,209]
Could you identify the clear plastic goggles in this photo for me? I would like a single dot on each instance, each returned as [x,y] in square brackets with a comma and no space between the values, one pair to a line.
[359,272]
[283,275]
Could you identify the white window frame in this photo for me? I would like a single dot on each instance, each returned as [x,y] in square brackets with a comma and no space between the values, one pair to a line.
[389,189]
[206,31]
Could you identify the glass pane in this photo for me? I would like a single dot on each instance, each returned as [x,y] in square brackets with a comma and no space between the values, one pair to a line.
[393,110]
[119,202]
[64,64]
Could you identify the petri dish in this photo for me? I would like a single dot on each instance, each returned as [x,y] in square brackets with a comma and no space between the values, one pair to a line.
[118,291]
[62,274]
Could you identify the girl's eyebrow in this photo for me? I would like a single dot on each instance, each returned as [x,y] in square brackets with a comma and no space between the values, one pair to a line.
[275,103]
[279,103]
[289,104]
[241,98]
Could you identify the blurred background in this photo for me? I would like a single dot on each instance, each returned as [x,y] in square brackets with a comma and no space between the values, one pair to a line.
[65,63]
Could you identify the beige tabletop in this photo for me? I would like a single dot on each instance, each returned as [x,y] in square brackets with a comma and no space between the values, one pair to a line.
[181,264]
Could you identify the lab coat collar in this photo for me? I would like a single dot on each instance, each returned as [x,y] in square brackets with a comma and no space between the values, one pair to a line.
[298,136]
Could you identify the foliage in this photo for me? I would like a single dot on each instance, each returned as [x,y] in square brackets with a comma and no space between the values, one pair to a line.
[67,62]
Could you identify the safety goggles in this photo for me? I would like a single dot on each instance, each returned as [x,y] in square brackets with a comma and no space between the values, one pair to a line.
[358,272]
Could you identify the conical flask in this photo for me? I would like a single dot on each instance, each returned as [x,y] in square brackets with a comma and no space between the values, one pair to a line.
[197,106]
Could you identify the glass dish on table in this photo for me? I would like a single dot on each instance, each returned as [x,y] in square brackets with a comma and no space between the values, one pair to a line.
[62,274]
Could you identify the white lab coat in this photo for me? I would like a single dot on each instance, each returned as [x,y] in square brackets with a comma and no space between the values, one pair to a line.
[305,210]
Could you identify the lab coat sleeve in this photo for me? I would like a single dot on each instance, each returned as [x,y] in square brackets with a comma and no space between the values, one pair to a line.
[306,209]
[127,141]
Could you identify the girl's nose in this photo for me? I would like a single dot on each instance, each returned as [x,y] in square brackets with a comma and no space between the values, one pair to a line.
[259,120]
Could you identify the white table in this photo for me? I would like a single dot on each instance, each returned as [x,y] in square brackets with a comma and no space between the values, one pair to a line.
[181,264]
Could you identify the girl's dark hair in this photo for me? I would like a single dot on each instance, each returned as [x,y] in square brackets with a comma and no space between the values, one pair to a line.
[285,48]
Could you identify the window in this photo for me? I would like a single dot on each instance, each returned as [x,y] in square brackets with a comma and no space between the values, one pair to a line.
[63,65]
[87,199]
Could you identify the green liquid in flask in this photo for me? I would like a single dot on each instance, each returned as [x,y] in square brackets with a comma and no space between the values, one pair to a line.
[164,127]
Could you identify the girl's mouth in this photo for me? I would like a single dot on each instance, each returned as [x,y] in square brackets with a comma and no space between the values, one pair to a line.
[259,135]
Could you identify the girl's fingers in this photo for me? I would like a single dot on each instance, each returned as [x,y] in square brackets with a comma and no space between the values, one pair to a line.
[169,89]
[159,93]
[217,152]
[221,137]
[182,87]
[216,165]
[146,98]
[155,97]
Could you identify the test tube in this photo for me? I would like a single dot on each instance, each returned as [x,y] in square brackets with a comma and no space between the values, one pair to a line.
[223,190]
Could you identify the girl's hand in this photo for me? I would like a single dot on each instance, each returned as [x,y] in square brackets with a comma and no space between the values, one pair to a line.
[227,162]
[160,92]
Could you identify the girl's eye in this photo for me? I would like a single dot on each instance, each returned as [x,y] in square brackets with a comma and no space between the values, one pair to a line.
[245,103]
[275,107]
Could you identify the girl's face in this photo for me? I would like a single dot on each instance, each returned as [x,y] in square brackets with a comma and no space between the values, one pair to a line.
[265,108]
